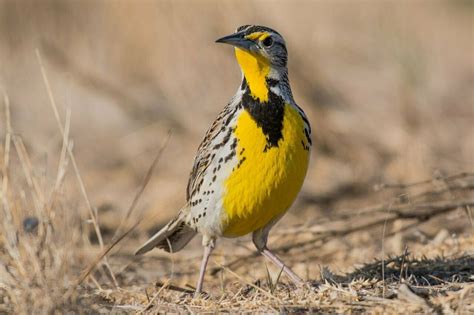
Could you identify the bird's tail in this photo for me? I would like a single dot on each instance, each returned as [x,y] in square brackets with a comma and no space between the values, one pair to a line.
[172,237]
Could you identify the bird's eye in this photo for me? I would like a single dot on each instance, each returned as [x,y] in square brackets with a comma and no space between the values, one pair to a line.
[267,42]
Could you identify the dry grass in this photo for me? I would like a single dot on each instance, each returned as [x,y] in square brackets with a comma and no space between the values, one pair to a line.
[90,91]
[40,235]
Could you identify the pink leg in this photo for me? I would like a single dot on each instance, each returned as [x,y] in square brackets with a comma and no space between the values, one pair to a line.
[267,253]
[207,252]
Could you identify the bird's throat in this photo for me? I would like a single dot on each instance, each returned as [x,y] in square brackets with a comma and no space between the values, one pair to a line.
[256,70]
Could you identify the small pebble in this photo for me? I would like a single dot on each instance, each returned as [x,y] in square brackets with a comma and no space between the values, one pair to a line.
[30,224]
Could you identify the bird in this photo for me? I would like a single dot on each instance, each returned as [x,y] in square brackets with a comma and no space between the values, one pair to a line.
[253,160]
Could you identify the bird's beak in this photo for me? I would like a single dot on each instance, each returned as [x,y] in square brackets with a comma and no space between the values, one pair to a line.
[237,40]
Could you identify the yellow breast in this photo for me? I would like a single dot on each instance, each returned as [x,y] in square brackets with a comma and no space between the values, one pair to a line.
[265,183]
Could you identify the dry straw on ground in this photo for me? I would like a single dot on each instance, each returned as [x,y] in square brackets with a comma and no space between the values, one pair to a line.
[91,89]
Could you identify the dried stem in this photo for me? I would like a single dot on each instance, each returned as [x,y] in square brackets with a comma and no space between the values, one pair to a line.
[92,211]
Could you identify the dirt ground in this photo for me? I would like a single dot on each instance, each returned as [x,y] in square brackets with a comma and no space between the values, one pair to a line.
[100,98]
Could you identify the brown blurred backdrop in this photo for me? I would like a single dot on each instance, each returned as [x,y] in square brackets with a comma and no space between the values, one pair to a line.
[388,87]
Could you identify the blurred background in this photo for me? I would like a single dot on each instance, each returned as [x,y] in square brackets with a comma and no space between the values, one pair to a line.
[387,85]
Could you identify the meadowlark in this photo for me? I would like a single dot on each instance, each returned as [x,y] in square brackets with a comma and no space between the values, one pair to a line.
[252,161]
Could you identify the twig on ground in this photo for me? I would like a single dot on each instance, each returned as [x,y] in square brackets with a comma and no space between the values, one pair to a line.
[174,287]
[424,182]
[117,239]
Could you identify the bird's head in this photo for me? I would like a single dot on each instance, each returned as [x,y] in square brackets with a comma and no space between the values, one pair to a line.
[262,55]
[261,42]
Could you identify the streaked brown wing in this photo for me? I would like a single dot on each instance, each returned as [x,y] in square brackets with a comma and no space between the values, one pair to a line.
[208,147]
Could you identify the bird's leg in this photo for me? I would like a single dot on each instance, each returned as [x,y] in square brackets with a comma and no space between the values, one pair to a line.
[277,261]
[259,238]
[205,258]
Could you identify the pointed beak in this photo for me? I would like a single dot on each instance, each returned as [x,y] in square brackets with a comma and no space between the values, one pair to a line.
[237,40]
